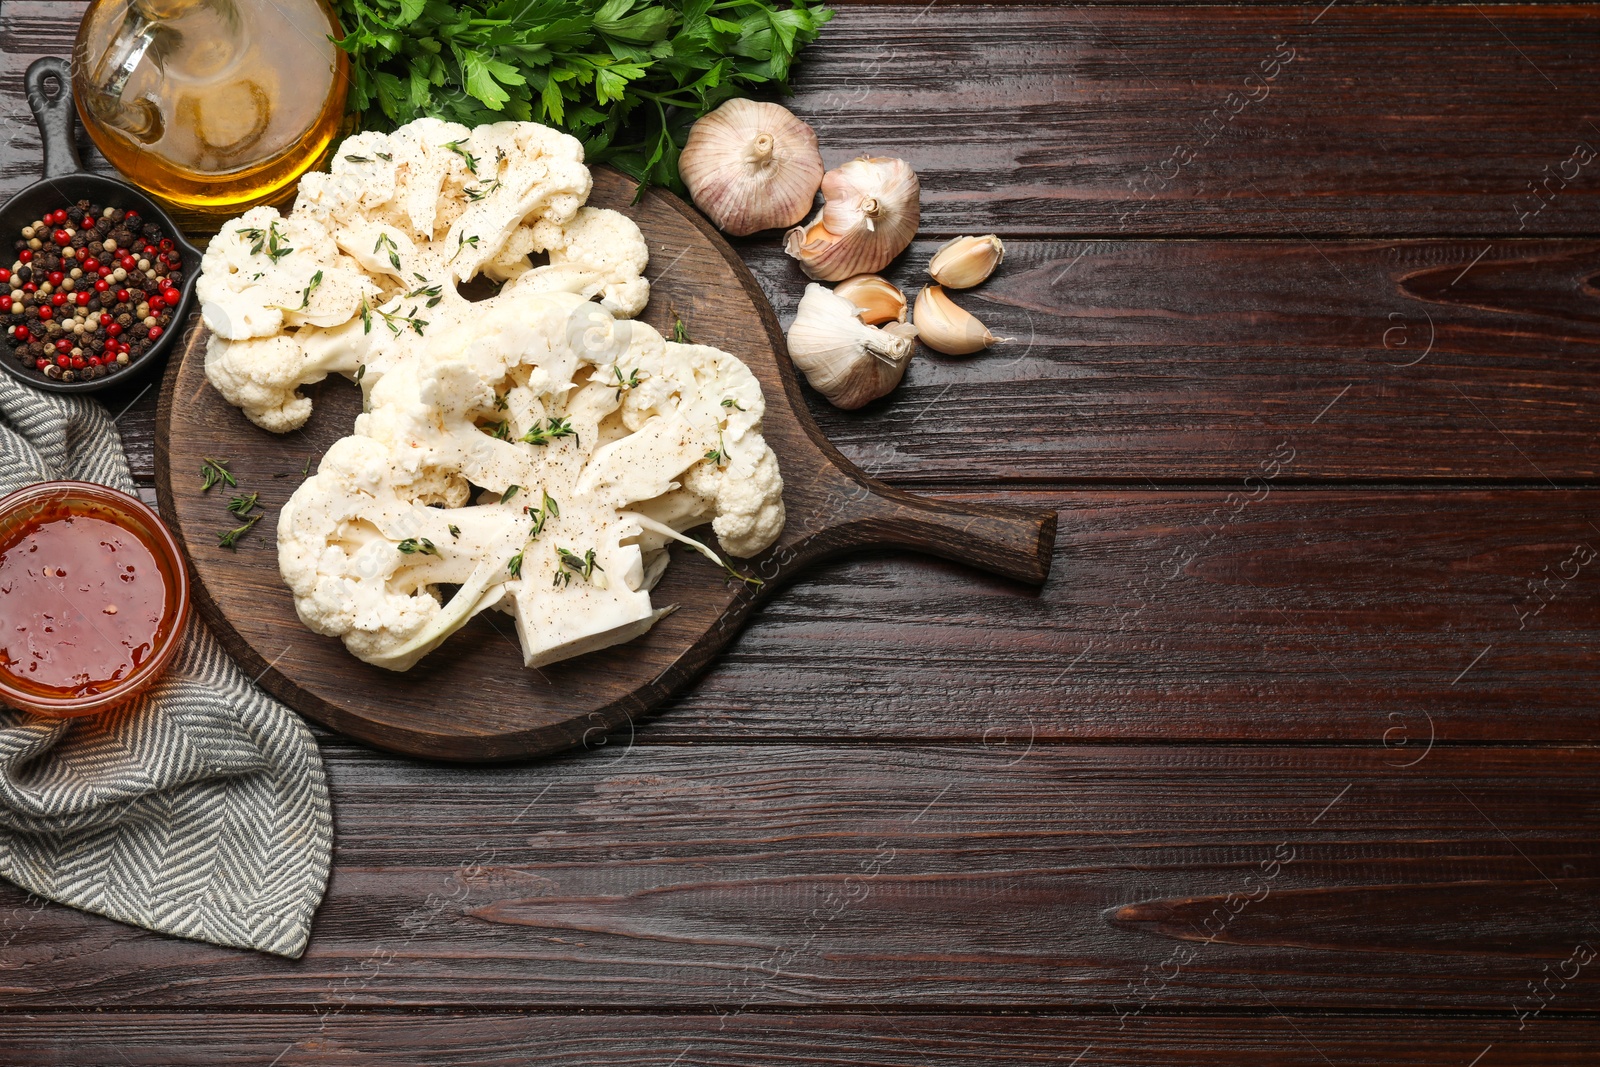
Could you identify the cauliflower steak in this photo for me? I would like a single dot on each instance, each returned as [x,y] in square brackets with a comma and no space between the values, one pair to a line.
[534,452]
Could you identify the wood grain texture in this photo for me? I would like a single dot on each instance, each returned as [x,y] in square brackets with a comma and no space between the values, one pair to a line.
[1121,121]
[1329,614]
[473,699]
[694,868]
[762,1039]
[918,877]
[1150,362]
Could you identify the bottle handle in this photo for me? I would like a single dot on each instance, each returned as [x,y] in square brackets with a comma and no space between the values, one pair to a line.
[52,110]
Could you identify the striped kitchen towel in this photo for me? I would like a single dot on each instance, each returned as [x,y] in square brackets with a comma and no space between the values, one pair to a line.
[200,809]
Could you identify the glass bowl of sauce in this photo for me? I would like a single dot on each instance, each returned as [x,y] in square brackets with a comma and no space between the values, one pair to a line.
[93,598]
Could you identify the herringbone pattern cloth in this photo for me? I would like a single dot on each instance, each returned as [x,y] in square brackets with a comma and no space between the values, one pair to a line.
[199,810]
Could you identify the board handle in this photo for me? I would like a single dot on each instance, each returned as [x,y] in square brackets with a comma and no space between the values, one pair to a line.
[1014,542]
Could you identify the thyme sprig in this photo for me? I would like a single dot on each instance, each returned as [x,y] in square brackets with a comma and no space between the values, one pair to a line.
[305,294]
[552,430]
[630,382]
[229,539]
[572,565]
[242,505]
[471,160]
[412,545]
[387,242]
[548,509]
[213,471]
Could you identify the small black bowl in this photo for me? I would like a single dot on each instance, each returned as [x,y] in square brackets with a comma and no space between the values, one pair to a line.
[66,182]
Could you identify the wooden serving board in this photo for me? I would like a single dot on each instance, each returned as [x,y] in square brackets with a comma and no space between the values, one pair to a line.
[472,699]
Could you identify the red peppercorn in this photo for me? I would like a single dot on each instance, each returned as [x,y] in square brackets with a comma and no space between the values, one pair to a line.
[122,296]
[23,334]
[29,287]
[77,362]
[131,216]
[82,298]
[26,255]
[55,277]
[61,237]
[63,345]
[40,364]
[57,299]
[103,269]
[167,245]
[58,216]
[93,361]
[171,296]
[155,331]
[114,329]
[156,304]
[63,361]
[88,262]
[45,313]
[101,285]
[5,275]
[105,319]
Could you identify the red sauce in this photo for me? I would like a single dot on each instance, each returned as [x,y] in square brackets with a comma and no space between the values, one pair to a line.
[83,603]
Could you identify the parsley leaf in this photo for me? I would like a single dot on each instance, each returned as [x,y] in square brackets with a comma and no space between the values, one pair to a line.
[626,77]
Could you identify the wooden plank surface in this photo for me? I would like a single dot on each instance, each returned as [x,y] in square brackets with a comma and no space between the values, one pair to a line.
[760,1039]
[1158,361]
[1379,617]
[874,832]
[918,877]
[1122,121]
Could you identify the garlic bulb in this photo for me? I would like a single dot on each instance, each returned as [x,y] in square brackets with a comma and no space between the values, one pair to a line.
[945,327]
[751,166]
[869,215]
[843,358]
[966,261]
[880,301]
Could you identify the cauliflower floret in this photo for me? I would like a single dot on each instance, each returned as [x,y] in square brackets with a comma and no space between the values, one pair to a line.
[262,376]
[750,505]
[599,253]
[263,272]
[362,563]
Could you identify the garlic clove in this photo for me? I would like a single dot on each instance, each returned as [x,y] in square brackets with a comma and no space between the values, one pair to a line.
[844,359]
[880,301]
[751,165]
[870,211]
[948,328]
[966,261]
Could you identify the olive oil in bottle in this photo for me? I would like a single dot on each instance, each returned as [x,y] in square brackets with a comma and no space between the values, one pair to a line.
[211,105]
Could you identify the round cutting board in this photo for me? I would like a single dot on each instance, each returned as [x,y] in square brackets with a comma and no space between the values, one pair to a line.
[472,699]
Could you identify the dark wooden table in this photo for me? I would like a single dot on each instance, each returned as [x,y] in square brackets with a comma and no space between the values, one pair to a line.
[1292,762]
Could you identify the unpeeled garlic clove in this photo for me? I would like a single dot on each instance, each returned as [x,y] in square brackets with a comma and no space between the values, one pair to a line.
[880,300]
[946,327]
[870,211]
[751,165]
[844,359]
[966,261]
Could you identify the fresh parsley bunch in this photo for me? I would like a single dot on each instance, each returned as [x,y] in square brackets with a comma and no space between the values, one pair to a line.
[626,77]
